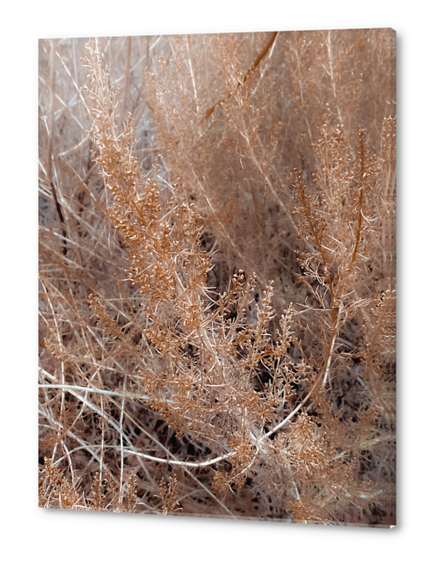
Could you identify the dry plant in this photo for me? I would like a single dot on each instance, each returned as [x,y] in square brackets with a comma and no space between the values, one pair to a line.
[217,275]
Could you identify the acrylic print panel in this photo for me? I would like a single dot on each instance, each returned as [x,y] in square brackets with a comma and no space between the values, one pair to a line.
[217,276]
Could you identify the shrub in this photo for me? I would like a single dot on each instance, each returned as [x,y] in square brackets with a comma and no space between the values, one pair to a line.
[217,275]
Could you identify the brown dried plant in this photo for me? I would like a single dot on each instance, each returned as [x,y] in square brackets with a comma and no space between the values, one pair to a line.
[217,275]
[169,494]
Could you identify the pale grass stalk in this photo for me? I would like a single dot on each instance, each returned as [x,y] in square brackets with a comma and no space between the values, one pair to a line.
[332,76]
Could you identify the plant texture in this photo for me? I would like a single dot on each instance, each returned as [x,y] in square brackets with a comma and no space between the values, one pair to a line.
[217,276]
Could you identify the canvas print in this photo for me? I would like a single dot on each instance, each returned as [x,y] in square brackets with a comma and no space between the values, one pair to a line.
[217,275]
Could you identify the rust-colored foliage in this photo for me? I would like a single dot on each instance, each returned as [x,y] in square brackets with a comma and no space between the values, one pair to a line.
[217,276]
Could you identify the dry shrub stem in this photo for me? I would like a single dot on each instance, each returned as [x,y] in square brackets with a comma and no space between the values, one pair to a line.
[217,286]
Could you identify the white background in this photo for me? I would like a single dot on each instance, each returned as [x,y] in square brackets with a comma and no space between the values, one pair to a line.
[28,533]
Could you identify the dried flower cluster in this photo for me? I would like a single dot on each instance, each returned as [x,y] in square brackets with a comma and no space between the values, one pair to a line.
[217,276]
